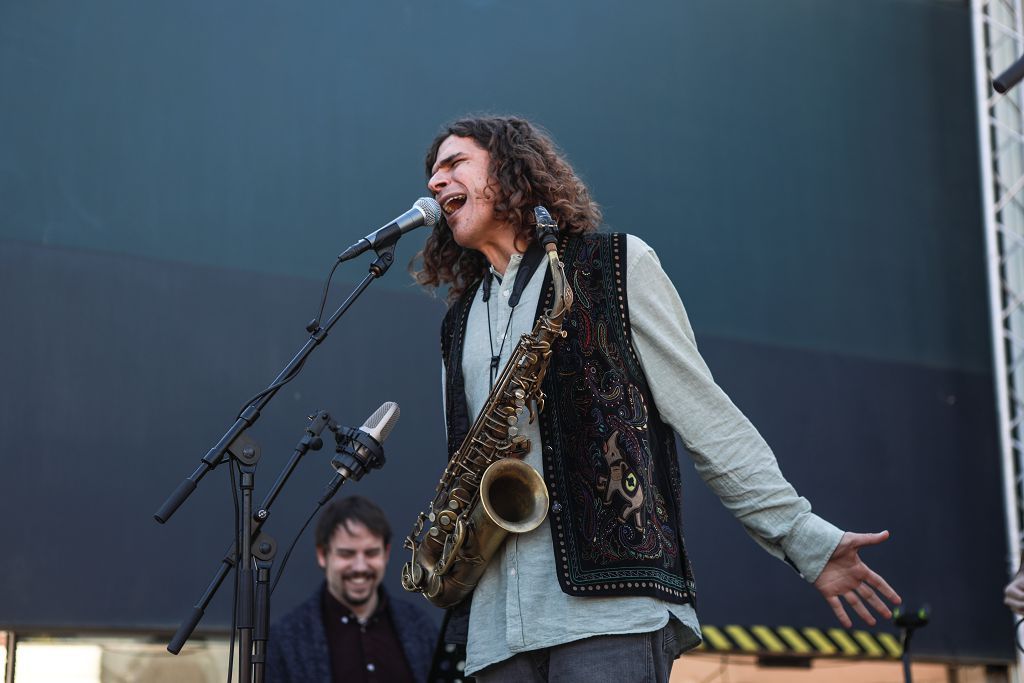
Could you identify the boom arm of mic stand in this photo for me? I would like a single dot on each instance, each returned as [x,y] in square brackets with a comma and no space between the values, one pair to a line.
[385,257]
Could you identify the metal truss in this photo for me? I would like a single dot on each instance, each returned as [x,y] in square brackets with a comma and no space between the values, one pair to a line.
[998,41]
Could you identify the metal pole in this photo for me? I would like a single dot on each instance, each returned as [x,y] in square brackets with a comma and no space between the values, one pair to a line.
[12,648]
[998,31]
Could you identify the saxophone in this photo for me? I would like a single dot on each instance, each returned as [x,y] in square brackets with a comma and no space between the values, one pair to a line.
[486,490]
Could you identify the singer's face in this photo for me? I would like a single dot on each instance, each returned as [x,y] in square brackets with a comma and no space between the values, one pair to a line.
[354,563]
[462,184]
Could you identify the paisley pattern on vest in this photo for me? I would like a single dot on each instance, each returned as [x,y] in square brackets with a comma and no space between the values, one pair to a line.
[609,461]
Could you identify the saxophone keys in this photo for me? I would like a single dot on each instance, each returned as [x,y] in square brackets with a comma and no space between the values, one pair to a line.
[412,576]
[513,431]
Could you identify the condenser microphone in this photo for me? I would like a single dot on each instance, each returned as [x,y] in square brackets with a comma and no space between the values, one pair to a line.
[360,450]
[426,211]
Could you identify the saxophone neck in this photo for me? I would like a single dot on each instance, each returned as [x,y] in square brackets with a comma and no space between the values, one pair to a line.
[562,300]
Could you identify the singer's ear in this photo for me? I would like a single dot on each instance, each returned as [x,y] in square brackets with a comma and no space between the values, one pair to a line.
[321,557]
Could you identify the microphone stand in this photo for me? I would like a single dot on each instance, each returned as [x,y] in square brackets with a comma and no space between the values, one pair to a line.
[214,457]
[358,455]
[265,546]
[908,622]
[237,445]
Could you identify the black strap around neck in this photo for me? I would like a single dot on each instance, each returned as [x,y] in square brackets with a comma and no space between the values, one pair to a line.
[531,259]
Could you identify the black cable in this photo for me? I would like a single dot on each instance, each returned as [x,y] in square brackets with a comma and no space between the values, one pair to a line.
[312,327]
[273,387]
[284,560]
[315,322]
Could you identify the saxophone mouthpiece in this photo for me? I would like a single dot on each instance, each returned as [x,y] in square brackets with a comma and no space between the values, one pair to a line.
[547,228]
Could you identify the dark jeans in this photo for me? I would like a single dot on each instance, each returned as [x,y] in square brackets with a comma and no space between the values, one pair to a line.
[628,658]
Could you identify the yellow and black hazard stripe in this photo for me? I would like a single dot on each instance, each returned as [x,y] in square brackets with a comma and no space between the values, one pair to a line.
[807,642]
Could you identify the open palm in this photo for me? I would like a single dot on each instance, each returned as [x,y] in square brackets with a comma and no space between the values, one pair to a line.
[846,576]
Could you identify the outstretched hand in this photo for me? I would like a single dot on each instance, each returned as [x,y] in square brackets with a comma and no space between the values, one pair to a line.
[845,575]
[1013,594]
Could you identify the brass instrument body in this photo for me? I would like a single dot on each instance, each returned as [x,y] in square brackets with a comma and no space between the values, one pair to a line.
[486,490]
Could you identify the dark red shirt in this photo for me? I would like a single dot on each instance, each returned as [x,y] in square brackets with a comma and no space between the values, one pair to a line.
[367,652]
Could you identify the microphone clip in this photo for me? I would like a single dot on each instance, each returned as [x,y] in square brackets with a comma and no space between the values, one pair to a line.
[356,453]
[385,257]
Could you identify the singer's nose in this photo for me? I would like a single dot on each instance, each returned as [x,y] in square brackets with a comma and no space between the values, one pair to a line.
[437,182]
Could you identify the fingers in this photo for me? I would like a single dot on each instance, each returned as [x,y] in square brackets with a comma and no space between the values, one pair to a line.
[868,595]
[853,599]
[865,596]
[884,588]
[1015,604]
[1013,596]
[861,540]
[837,609]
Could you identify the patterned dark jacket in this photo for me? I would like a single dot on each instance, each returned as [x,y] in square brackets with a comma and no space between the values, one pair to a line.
[297,650]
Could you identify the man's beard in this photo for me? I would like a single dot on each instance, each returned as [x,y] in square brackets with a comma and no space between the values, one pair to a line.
[352,600]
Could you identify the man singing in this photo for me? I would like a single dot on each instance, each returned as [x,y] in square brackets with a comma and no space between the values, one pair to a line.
[602,590]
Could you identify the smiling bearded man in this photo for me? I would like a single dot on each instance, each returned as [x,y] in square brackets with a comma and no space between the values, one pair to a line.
[602,589]
[350,629]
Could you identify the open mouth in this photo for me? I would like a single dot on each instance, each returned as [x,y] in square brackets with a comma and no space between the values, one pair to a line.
[453,204]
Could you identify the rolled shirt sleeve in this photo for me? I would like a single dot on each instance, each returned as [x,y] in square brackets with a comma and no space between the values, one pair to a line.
[728,452]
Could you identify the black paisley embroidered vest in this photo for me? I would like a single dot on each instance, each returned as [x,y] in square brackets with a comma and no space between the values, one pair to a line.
[609,461]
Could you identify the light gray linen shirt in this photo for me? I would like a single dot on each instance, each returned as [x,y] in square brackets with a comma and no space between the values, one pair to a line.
[518,605]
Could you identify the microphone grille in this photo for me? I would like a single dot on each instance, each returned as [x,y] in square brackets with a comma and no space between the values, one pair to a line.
[380,424]
[431,210]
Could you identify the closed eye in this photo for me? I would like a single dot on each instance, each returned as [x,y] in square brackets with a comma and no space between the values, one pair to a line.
[449,162]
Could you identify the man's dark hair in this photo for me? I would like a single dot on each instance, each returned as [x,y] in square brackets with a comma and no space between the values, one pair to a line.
[352,509]
[527,169]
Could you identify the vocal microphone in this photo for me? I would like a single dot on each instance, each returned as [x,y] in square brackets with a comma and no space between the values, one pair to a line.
[426,211]
[360,450]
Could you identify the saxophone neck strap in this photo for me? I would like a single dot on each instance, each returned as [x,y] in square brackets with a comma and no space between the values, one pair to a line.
[531,259]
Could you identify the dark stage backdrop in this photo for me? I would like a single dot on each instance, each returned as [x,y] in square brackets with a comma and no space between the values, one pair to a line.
[176,178]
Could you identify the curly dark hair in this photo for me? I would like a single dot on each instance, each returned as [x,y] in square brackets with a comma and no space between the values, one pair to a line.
[528,170]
